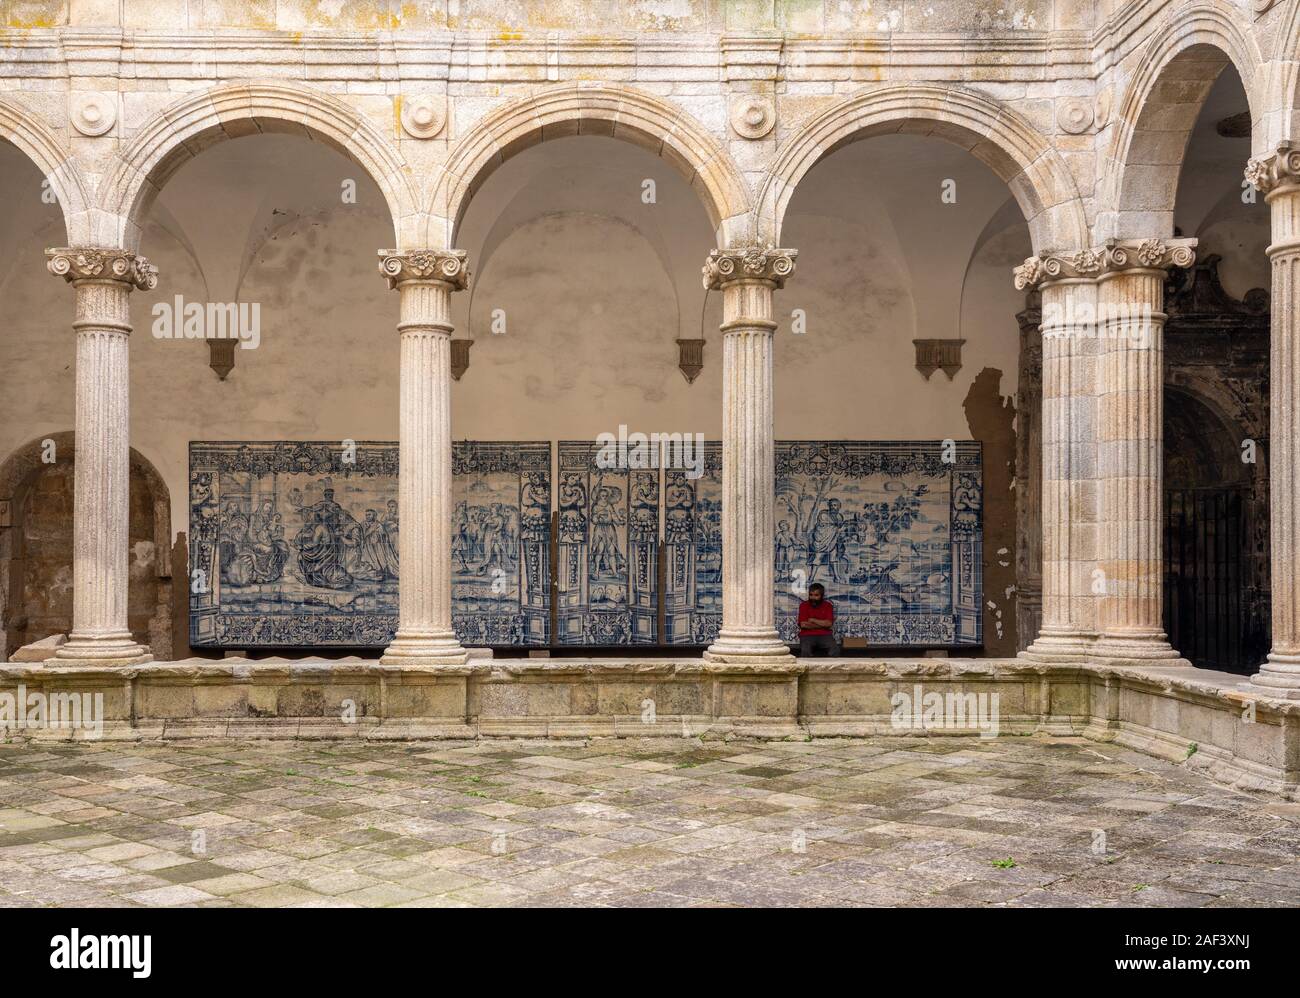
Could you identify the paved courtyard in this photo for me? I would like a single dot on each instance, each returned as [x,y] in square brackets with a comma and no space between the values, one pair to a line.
[881,821]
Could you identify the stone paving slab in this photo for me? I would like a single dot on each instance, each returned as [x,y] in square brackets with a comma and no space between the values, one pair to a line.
[948,822]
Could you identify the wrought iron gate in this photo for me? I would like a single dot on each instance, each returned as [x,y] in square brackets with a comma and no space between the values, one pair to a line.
[1207,577]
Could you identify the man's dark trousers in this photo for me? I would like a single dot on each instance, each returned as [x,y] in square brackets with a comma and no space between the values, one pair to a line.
[818,646]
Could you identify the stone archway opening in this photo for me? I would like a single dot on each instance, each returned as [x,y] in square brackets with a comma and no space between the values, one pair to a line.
[1164,102]
[36,554]
[623,114]
[1213,612]
[586,253]
[1191,140]
[906,240]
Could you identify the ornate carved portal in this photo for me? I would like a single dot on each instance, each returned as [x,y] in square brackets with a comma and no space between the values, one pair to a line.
[1217,585]
[1029,479]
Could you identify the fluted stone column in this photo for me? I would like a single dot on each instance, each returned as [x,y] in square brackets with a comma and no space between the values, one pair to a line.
[1131,321]
[425,280]
[1278,177]
[103,279]
[1069,493]
[747,278]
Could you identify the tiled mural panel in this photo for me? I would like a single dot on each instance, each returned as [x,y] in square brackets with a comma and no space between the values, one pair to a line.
[501,543]
[295,544]
[693,551]
[892,529]
[606,550]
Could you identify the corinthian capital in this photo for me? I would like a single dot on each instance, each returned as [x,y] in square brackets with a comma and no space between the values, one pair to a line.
[748,263]
[447,266]
[89,264]
[1280,168]
[1094,262]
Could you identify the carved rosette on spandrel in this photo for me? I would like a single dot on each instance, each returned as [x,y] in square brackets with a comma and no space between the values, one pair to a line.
[747,277]
[103,279]
[425,279]
[1277,176]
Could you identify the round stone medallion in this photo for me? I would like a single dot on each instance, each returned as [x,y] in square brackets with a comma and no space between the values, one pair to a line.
[423,117]
[1074,115]
[753,117]
[93,114]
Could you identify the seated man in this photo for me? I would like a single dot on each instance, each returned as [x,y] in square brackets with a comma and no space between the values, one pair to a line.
[816,621]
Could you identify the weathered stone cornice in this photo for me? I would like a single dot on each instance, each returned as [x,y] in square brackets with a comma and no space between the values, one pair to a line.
[320,54]
[1095,262]
[1280,168]
[753,263]
[89,264]
[447,266]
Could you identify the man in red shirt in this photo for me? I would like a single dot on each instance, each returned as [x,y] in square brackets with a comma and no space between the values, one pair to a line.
[816,624]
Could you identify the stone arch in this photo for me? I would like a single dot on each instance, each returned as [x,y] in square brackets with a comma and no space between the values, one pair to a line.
[1212,435]
[618,112]
[38,143]
[19,473]
[1177,67]
[182,130]
[995,134]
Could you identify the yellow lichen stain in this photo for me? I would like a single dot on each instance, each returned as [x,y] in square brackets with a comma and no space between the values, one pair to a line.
[397,116]
[407,11]
[35,15]
[31,23]
[510,36]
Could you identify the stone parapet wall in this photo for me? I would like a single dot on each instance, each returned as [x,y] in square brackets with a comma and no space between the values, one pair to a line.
[1198,718]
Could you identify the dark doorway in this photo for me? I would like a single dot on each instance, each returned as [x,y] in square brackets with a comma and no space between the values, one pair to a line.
[1212,613]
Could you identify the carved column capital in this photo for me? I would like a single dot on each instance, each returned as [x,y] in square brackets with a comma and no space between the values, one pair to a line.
[1280,168]
[75,264]
[748,263]
[447,266]
[1115,256]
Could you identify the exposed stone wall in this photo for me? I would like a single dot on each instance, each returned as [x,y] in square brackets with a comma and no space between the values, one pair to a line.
[37,562]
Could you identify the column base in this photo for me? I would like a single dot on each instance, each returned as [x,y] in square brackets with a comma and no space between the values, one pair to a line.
[1059,646]
[749,648]
[100,649]
[1278,677]
[1143,646]
[441,648]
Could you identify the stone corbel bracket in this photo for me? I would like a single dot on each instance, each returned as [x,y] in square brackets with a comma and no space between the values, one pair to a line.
[938,355]
[460,357]
[690,359]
